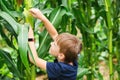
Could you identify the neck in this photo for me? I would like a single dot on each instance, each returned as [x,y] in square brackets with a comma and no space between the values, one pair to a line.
[61,60]
[71,63]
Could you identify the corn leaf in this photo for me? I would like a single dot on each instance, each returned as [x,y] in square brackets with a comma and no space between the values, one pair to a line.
[81,23]
[56,16]
[5,37]
[82,72]
[23,44]
[98,75]
[8,60]
[4,7]
[10,20]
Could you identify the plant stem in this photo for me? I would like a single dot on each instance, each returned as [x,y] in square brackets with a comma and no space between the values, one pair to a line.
[109,24]
[33,72]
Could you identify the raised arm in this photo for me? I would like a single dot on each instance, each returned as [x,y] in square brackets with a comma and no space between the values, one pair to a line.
[38,61]
[50,28]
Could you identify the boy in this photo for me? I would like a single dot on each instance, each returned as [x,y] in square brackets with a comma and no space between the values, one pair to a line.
[65,48]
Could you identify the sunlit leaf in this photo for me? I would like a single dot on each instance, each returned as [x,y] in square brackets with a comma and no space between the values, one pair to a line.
[82,72]
[23,44]
[10,20]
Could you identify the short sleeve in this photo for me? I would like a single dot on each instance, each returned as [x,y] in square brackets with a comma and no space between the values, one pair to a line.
[53,69]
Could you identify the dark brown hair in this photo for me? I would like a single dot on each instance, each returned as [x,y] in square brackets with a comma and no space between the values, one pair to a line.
[69,45]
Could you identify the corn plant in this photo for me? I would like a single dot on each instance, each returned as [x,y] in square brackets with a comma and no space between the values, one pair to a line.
[89,14]
[18,27]
[98,22]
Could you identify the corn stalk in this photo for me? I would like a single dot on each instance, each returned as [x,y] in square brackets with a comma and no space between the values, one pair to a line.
[29,20]
[110,25]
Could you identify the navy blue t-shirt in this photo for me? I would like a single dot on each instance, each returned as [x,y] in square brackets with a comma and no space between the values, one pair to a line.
[61,71]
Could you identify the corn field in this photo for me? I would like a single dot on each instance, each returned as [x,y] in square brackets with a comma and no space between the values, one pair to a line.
[95,22]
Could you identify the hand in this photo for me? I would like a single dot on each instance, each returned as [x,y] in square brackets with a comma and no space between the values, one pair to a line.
[37,13]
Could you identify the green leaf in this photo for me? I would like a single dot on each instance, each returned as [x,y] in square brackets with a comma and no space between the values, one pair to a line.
[4,7]
[5,37]
[81,19]
[23,44]
[98,76]
[10,20]
[2,61]
[82,72]
[56,16]
[8,60]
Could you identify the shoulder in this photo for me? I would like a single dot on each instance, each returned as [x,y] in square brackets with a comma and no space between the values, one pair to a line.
[60,66]
[55,65]
[59,69]
[53,69]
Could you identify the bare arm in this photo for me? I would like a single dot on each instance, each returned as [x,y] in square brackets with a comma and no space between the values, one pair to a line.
[50,28]
[38,61]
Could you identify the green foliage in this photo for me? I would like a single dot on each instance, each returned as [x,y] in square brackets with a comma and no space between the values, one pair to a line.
[98,22]
[22,45]
[82,72]
[89,14]
[9,62]
[10,20]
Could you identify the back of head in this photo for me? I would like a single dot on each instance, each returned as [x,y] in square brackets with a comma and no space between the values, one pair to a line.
[69,45]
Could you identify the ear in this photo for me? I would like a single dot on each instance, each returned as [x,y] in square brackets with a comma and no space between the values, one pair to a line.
[61,56]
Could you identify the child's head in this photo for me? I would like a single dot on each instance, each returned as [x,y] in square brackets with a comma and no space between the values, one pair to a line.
[68,45]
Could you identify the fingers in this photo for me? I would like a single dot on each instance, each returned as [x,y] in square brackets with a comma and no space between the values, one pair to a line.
[36,13]
[32,11]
